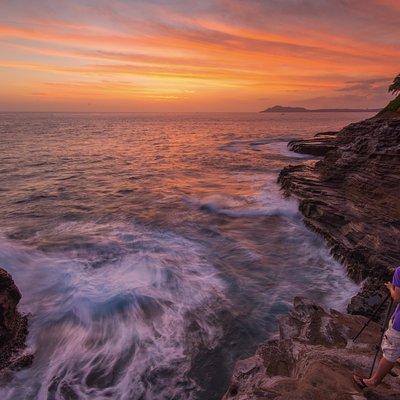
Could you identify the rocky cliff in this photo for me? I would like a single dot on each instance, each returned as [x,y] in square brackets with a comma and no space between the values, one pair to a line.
[350,196]
[13,326]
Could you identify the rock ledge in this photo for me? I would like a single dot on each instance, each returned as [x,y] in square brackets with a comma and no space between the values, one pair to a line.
[313,359]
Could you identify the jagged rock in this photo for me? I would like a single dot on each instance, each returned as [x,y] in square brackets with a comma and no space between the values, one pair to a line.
[351,197]
[318,146]
[371,295]
[310,323]
[13,326]
[313,359]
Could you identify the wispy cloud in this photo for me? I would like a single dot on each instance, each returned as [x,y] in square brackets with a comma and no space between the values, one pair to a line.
[198,52]
[367,86]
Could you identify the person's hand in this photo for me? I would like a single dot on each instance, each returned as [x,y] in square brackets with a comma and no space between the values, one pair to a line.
[390,286]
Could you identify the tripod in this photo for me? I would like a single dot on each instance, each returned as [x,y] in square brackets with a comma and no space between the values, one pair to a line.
[383,327]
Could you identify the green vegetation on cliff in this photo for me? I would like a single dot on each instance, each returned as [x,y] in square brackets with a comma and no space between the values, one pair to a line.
[395,86]
[393,106]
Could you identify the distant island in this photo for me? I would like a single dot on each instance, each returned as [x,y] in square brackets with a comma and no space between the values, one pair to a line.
[276,109]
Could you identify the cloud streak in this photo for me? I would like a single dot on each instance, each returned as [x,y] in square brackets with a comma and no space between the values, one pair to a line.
[196,53]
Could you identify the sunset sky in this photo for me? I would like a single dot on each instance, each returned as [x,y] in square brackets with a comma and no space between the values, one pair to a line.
[236,55]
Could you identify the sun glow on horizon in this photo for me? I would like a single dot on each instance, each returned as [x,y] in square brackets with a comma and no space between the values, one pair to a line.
[196,56]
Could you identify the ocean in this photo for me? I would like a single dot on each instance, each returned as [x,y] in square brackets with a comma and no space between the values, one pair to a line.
[154,250]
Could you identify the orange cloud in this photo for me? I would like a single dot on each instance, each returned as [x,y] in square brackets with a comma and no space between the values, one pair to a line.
[168,54]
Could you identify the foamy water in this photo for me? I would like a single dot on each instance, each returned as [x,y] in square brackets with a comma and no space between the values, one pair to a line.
[129,317]
[152,251]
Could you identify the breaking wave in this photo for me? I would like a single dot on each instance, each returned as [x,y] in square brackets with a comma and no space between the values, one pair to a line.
[126,330]
[266,201]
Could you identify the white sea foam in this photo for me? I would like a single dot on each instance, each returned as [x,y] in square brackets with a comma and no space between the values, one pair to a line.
[265,200]
[117,331]
[278,148]
[267,146]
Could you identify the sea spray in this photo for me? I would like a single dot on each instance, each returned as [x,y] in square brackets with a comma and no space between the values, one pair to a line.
[117,331]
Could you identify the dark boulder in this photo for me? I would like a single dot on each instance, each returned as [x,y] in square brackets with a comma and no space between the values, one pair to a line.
[13,326]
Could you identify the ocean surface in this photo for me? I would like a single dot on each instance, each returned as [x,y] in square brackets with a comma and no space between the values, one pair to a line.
[154,250]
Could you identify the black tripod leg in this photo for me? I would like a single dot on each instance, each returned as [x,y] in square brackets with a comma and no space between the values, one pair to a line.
[371,317]
[384,326]
[373,363]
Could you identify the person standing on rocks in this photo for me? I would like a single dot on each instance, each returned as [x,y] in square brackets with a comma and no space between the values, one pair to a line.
[390,342]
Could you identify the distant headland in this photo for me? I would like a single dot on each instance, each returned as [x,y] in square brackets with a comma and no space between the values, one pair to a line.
[276,109]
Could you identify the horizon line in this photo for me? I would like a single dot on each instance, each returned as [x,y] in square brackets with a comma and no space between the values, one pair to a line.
[190,112]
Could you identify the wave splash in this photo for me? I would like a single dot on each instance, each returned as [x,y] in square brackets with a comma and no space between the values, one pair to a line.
[266,200]
[126,330]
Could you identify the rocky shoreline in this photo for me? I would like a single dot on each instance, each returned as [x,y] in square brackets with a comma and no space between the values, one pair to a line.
[351,197]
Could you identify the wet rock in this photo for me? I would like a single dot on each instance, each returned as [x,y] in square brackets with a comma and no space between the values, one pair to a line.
[13,326]
[314,358]
[350,197]
[368,299]
[310,323]
[318,146]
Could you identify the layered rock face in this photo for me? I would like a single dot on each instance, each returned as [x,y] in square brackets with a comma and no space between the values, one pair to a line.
[13,326]
[319,146]
[313,359]
[351,197]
